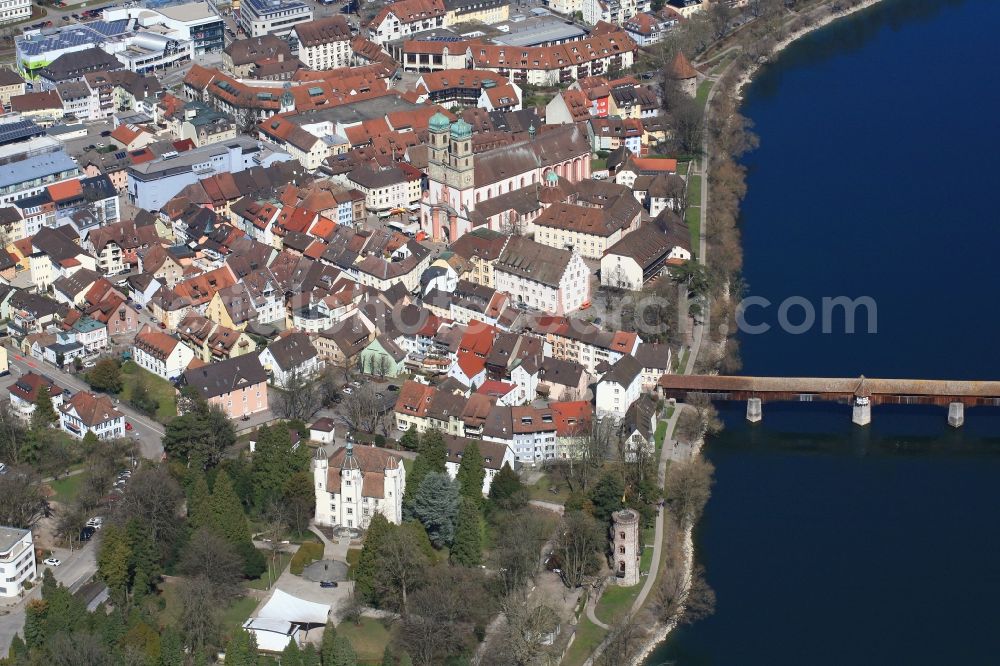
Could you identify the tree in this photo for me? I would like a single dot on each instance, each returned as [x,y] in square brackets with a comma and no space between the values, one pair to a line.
[360,410]
[241,650]
[402,564]
[298,398]
[199,435]
[342,653]
[199,619]
[436,507]
[113,564]
[607,496]
[199,504]
[467,549]
[44,415]
[35,623]
[214,563]
[154,498]
[310,657]
[366,569]
[141,398]
[15,442]
[507,491]
[410,439]
[274,463]
[326,646]
[721,15]
[431,457]
[624,641]
[299,501]
[105,376]
[291,655]
[521,640]
[471,473]
[579,541]
[21,499]
[688,488]
[518,541]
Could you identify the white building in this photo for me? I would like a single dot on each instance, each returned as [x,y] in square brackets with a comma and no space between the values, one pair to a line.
[545,278]
[291,355]
[355,484]
[641,256]
[86,412]
[619,388]
[14,10]
[495,455]
[17,560]
[24,393]
[324,43]
[272,17]
[161,354]
[405,17]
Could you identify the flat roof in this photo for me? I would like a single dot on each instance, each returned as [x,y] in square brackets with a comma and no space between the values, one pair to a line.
[9,536]
[189,11]
[543,30]
[35,166]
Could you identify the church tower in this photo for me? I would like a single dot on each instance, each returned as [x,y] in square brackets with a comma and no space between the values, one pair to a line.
[437,158]
[461,172]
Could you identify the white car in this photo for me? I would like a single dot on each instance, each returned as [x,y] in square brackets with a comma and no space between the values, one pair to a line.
[96,522]
[52,562]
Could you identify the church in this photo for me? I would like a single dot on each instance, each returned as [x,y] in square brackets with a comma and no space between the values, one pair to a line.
[355,484]
[459,179]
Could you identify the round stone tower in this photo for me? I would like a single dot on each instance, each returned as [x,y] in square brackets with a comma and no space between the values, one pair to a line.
[625,546]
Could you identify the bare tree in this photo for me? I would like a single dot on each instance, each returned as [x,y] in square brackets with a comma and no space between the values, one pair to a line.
[624,641]
[21,500]
[298,399]
[154,498]
[523,639]
[688,489]
[594,444]
[361,410]
[578,544]
[402,567]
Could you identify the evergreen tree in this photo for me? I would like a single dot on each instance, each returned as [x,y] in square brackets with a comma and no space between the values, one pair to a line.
[113,564]
[343,653]
[228,518]
[410,440]
[44,415]
[274,463]
[405,660]
[17,653]
[199,505]
[326,648]
[143,562]
[431,457]
[607,496]
[171,648]
[35,623]
[436,507]
[310,657]
[388,658]
[242,649]
[64,612]
[367,567]
[506,490]
[471,472]
[291,655]
[467,550]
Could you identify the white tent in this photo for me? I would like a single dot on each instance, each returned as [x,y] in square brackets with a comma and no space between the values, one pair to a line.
[277,622]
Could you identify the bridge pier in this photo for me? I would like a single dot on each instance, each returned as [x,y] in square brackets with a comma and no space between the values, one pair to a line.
[861,412]
[956,414]
[754,413]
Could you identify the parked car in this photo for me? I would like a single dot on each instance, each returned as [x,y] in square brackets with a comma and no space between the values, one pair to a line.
[128,426]
[96,522]
[347,390]
[328,583]
[138,308]
[392,387]
[86,533]
[3,469]
[52,562]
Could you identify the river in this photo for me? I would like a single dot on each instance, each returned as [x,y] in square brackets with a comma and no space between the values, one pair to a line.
[827,543]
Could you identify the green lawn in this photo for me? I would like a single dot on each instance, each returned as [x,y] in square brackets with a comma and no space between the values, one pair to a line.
[158,387]
[236,614]
[407,465]
[67,488]
[661,432]
[703,89]
[682,168]
[588,637]
[693,219]
[598,164]
[279,565]
[646,559]
[540,490]
[368,639]
[353,555]
[694,190]
[616,602]
[680,361]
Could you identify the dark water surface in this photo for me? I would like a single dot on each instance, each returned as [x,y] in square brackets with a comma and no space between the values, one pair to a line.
[876,176]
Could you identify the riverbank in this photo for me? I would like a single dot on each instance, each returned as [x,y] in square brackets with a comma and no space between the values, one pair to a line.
[830,17]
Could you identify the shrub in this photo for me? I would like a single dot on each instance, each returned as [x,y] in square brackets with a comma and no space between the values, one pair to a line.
[307,553]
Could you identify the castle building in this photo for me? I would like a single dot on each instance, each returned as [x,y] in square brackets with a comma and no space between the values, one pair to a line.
[459,179]
[625,546]
[353,485]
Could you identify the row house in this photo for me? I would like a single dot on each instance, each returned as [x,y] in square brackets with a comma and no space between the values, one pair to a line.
[161,354]
[584,343]
[542,278]
[212,342]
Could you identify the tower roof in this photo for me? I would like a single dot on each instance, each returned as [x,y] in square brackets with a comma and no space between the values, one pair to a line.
[438,122]
[461,130]
[681,68]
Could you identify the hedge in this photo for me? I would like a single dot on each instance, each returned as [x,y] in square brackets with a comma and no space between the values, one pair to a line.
[307,553]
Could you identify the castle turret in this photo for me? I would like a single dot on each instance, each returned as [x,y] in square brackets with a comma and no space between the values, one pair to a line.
[625,546]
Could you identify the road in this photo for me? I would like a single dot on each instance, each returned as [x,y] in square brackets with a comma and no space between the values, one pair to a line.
[146,431]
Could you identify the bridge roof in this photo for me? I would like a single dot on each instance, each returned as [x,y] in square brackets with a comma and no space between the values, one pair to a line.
[842,385]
